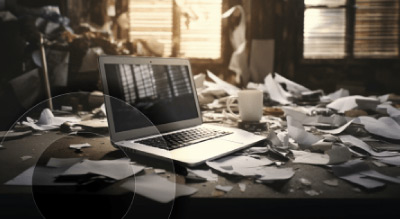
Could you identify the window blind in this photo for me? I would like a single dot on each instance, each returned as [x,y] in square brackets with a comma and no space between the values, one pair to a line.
[324,29]
[152,19]
[198,26]
[200,29]
[376,32]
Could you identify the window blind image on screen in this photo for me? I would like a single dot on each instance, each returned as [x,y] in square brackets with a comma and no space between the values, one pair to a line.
[163,93]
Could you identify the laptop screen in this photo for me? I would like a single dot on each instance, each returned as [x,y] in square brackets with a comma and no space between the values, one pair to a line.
[163,93]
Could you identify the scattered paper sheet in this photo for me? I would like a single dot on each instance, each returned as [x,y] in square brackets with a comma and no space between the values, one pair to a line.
[275,90]
[159,171]
[385,126]
[272,173]
[242,187]
[336,95]
[337,130]
[62,162]
[395,161]
[331,182]
[205,174]
[231,164]
[80,146]
[352,172]
[344,104]
[224,188]
[238,62]
[299,134]
[375,175]
[390,110]
[157,188]
[291,86]
[23,179]
[333,156]
[48,121]
[362,145]
[115,169]
[44,176]
[27,157]
[228,88]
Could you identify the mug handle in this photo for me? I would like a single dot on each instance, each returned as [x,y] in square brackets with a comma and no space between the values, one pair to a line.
[229,103]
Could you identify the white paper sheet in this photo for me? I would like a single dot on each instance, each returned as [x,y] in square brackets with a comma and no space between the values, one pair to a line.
[333,156]
[275,90]
[116,169]
[242,187]
[48,121]
[385,126]
[80,146]
[395,161]
[224,188]
[157,188]
[337,130]
[238,62]
[390,110]
[228,88]
[352,172]
[273,173]
[376,175]
[299,134]
[336,95]
[62,162]
[231,164]
[205,174]
[362,145]
[344,104]
[291,86]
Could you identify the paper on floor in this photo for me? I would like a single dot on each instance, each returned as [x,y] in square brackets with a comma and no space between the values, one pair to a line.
[48,121]
[299,134]
[362,145]
[116,169]
[375,175]
[204,174]
[157,188]
[224,188]
[79,146]
[395,161]
[272,174]
[352,172]
[242,187]
[230,164]
[333,156]
[62,162]
[385,126]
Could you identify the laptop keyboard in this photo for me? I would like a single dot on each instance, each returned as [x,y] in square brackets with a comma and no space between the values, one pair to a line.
[184,138]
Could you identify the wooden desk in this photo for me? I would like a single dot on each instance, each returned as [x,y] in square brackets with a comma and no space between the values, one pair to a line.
[279,199]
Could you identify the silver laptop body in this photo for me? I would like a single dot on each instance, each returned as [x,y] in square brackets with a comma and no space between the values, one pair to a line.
[163,90]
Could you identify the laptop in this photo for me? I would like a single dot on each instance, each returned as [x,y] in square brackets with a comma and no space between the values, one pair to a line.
[152,109]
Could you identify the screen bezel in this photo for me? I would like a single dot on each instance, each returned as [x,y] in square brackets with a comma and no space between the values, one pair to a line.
[143,132]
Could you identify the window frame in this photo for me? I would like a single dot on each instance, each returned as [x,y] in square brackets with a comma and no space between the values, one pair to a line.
[349,41]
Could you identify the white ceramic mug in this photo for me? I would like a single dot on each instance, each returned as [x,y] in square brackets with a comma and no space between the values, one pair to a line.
[250,104]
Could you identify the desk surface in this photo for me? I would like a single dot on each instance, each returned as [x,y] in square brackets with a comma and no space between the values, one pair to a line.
[290,192]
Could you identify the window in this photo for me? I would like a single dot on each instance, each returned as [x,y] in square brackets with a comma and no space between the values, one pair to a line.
[186,28]
[336,29]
